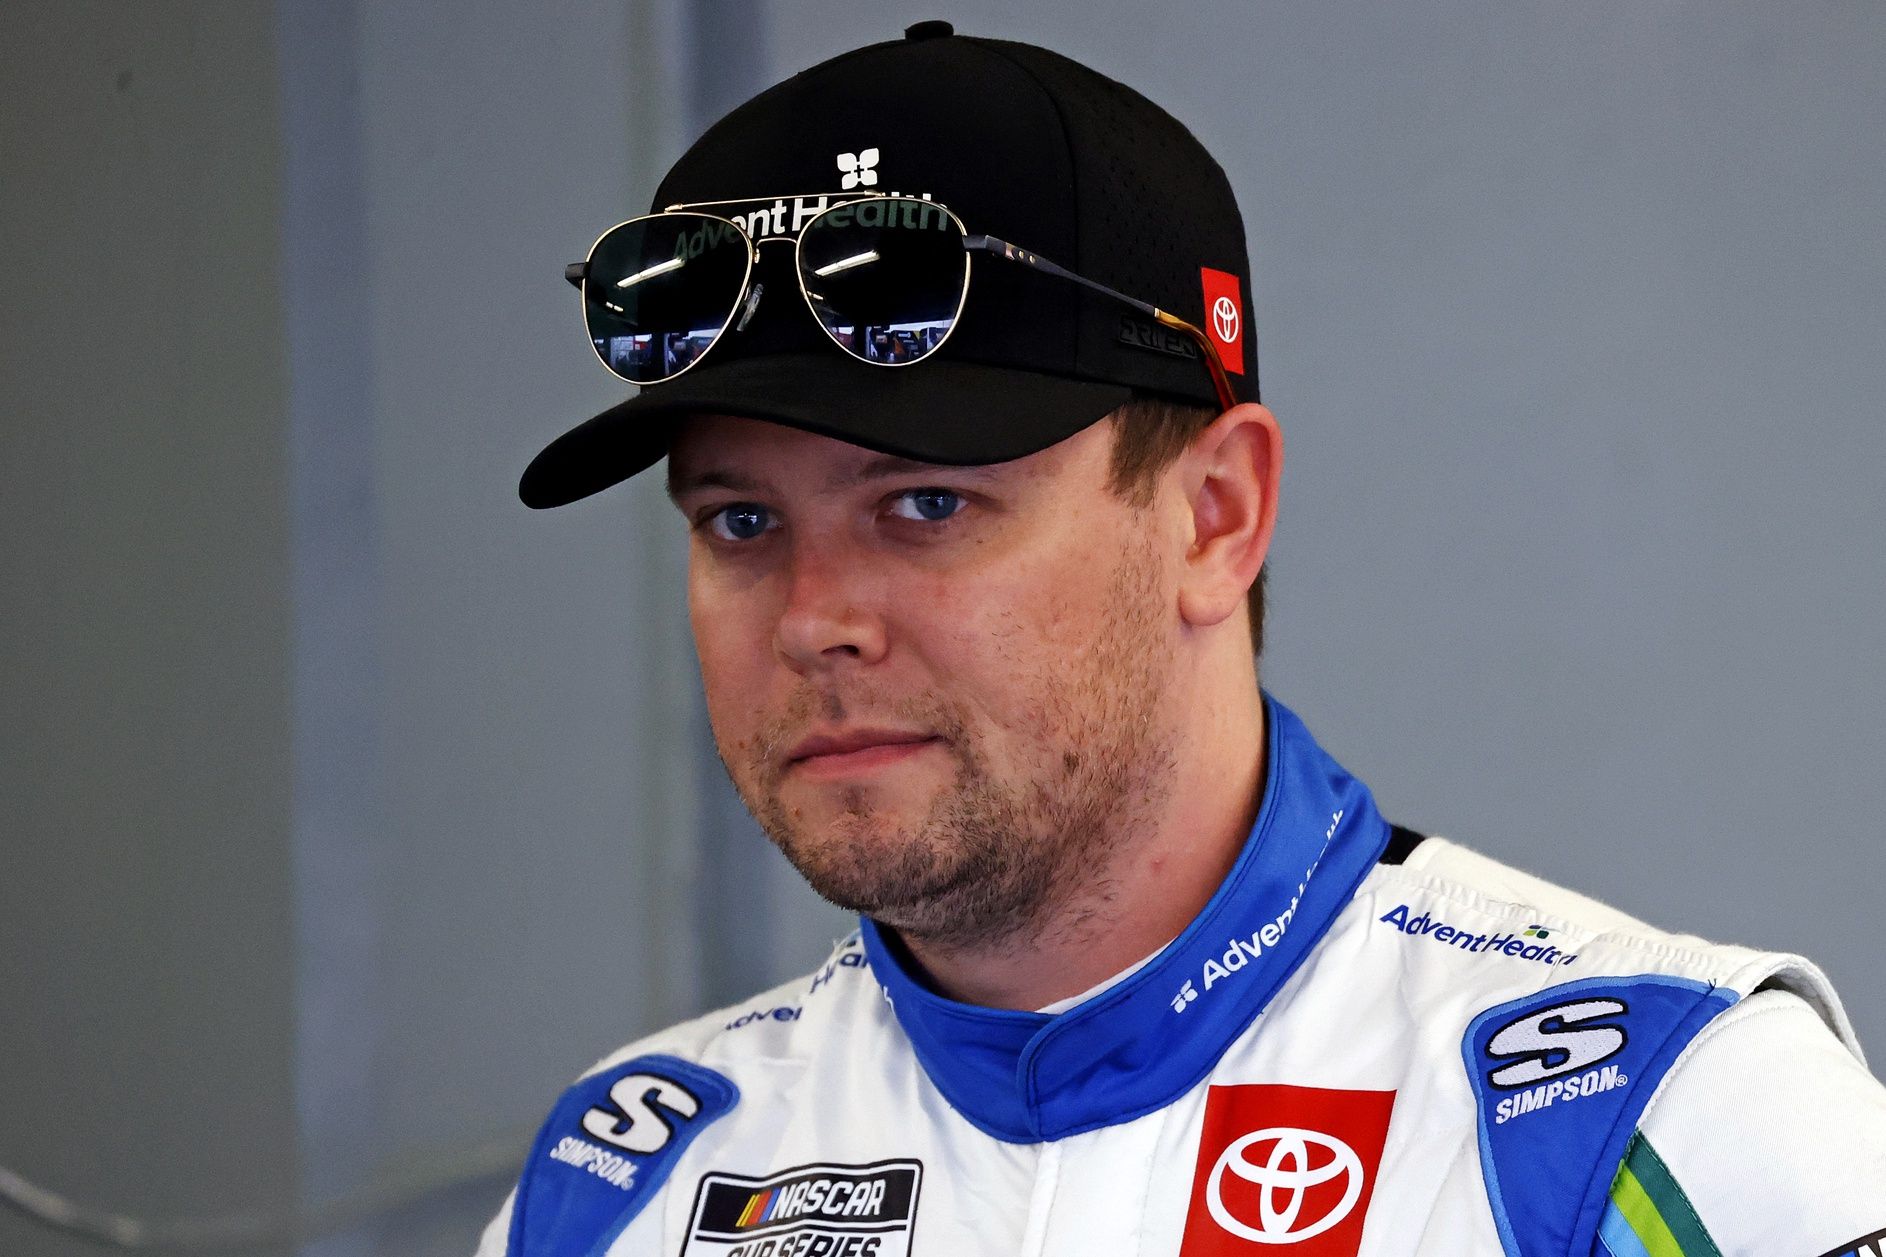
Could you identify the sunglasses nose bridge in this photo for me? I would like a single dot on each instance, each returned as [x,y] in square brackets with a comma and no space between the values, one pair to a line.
[764,240]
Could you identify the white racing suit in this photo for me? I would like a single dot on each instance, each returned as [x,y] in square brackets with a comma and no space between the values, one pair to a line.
[1360,1047]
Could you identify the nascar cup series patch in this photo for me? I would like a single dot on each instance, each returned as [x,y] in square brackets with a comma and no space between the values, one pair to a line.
[821,1210]
[1873,1245]
[609,1144]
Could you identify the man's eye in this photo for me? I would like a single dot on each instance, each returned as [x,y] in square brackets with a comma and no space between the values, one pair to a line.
[742,521]
[929,505]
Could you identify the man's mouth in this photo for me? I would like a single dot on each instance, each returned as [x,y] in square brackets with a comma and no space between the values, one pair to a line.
[856,750]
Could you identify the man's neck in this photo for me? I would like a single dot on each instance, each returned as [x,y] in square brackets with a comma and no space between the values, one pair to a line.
[1140,898]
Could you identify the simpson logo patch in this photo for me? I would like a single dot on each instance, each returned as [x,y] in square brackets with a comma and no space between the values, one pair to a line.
[1561,1077]
[819,1210]
[607,1147]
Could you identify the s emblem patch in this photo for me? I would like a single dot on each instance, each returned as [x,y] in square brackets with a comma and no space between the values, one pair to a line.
[607,1148]
[828,1209]
[641,1112]
[1562,1039]
[1560,1077]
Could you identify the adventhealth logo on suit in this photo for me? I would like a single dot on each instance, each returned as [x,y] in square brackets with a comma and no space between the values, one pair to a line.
[1428,926]
[1242,951]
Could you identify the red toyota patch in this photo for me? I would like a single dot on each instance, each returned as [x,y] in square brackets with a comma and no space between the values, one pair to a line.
[1224,316]
[1290,1166]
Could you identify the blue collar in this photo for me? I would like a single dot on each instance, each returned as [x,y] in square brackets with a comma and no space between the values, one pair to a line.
[1025,1077]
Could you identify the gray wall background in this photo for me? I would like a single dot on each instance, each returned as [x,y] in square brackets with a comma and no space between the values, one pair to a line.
[349,808]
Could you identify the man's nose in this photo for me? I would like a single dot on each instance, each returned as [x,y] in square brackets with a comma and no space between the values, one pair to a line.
[830,616]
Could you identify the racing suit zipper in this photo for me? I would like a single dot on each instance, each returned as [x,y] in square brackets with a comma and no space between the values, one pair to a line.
[1041,1200]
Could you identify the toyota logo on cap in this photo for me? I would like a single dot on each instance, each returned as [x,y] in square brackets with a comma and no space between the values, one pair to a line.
[1289,1169]
[1224,301]
[1224,315]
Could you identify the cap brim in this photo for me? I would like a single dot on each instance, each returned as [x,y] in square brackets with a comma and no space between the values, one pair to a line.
[938,412]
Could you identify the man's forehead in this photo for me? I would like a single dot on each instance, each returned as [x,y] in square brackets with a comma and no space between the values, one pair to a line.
[734,452]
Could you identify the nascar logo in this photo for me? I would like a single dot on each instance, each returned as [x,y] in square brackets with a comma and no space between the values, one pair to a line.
[825,1210]
[836,1197]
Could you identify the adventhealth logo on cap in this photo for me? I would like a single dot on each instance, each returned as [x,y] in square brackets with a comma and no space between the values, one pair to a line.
[859,169]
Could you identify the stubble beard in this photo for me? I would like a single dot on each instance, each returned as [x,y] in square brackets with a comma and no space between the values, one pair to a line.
[995,863]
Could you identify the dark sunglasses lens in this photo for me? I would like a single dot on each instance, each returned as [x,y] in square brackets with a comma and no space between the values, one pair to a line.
[660,290]
[885,277]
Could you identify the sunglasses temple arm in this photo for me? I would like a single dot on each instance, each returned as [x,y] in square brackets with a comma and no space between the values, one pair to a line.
[1003,249]
[1221,382]
[1227,398]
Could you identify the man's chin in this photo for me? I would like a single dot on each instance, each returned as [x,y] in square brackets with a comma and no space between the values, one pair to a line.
[865,814]
[868,893]
[827,841]
[869,862]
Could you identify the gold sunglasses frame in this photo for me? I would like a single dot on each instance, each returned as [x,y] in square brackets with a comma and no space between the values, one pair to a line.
[577,273]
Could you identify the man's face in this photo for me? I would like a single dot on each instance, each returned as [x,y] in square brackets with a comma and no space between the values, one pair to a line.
[938,689]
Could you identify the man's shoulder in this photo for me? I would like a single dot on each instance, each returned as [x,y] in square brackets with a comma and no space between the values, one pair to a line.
[1593,1040]
[781,1023]
[1462,869]
[617,1132]
[1450,896]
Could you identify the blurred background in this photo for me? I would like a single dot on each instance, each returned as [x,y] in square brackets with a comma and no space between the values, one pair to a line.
[348,809]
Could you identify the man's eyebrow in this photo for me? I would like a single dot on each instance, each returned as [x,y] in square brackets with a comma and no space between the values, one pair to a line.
[893,465]
[871,469]
[711,478]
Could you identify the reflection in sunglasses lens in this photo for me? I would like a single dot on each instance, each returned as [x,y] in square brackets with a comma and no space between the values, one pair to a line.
[660,290]
[885,276]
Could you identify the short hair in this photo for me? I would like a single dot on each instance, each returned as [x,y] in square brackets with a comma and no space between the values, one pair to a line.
[1149,433]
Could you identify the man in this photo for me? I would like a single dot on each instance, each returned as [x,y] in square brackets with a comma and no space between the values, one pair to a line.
[1140,968]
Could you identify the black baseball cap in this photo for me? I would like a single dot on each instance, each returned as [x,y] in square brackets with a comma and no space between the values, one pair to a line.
[1020,143]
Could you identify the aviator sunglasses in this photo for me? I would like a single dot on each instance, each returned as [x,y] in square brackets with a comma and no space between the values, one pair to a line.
[885,276]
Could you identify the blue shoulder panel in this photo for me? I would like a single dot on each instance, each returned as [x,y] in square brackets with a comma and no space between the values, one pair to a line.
[606,1150]
[1561,1078]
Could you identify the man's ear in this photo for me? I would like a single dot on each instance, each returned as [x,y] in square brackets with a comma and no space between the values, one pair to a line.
[1229,475]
